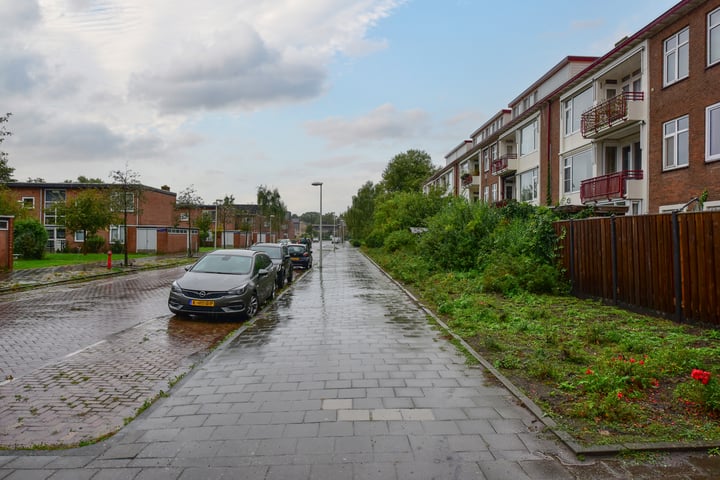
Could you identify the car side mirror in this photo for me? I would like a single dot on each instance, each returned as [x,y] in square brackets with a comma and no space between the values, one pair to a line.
[263,272]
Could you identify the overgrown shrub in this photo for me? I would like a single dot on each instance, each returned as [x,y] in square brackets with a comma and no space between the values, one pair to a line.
[457,236]
[510,274]
[400,239]
[94,244]
[30,238]
[375,239]
[116,247]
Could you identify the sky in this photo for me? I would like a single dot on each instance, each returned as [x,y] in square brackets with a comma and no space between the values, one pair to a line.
[223,96]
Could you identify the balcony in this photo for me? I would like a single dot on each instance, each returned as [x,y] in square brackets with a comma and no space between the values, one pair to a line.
[612,114]
[505,165]
[607,187]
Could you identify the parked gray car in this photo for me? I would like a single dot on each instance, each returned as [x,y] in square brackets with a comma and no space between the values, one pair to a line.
[281,258]
[224,282]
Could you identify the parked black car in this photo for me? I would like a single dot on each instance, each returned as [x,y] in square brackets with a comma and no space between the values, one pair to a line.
[300,256]
[224,282]
[280,257]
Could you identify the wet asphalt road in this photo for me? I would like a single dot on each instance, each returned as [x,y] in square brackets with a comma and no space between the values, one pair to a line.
[343,377]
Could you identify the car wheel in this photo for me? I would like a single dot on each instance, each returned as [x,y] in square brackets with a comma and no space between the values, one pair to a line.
[252,306]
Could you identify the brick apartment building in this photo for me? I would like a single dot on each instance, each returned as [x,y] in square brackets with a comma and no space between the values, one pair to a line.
[636,129]
[151,224]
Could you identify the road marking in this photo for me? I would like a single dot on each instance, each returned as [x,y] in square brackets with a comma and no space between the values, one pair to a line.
[86,348]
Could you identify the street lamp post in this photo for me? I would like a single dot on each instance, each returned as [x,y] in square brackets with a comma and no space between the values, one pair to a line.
[320,184]
[217,202]
[272,234]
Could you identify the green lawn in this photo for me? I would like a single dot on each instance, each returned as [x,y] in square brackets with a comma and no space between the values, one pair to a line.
[58,259]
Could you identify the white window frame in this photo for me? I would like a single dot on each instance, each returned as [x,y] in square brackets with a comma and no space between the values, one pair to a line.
[532,174]
[713,31]
[532,128]
[117,233]
[712,133]
[573,112]
[28,203]
[674,54]
[79,236]
[569,171]
[4,224]
[486,194]
[184,216]
[674,137]
[494,193]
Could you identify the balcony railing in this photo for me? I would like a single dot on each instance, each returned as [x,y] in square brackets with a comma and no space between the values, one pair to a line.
[504,164]
[607,187]
[607,113]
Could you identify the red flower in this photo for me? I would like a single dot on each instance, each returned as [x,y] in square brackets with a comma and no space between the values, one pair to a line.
[588,372]
[620,395]
[701,375]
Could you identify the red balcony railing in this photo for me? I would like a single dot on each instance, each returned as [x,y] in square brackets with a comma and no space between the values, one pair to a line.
[502,164]
[607,187]
[466,179]
[605,114]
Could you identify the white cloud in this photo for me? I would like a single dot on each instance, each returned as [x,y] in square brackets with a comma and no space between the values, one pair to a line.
[381,124]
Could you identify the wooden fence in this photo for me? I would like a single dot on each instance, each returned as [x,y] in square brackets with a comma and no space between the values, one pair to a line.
[647,262]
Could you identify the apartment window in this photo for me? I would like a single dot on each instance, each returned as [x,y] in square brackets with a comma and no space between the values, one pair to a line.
[486,194]
[677,50]
[486,160]
[675,143]
[51,198]
[28,203]
[576,168]
[4,225]
[528,138]
[528,185]
[574,108]
[184,217]
[79,236]
[117,234]
[712,134]
[124,203]
[714,37]
[494,192]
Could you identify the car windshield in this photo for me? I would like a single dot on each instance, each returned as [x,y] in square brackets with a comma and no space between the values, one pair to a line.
[226,264]
[296,250]
[273,252]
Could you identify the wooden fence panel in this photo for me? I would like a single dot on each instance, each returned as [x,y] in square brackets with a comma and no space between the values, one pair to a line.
[630,261]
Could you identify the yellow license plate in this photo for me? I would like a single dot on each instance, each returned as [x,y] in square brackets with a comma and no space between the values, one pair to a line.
[295,259]
[202,303]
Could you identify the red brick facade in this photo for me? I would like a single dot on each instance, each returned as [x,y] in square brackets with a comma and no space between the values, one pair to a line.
[689,96]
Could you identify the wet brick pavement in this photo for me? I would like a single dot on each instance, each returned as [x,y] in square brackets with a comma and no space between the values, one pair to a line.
[342,378]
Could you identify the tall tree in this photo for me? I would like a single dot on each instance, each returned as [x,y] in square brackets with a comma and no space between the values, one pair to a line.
[6,171]
[226,211]
[359,216]
[271,206]
[187,202]
[407,172]
[126,197]
[88,212]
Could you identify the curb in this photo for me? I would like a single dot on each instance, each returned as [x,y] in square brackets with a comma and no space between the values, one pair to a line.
[567,439]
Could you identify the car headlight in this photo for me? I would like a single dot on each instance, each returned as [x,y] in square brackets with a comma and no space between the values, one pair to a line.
[176,288]
[238,290]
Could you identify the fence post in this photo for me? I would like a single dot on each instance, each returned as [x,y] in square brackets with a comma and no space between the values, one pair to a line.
[572,256]
[676,267]
[613,249]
